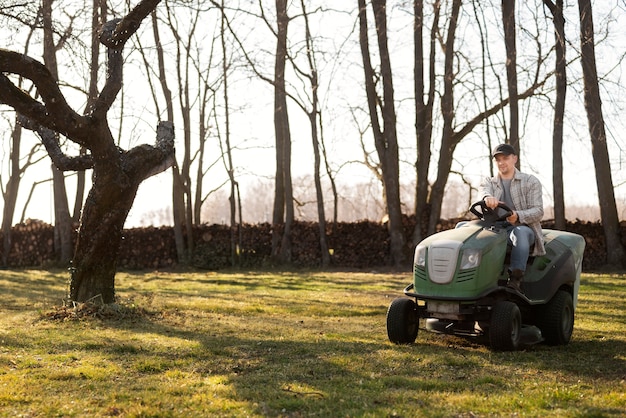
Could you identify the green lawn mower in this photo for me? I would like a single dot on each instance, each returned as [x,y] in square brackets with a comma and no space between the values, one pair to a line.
[459,286]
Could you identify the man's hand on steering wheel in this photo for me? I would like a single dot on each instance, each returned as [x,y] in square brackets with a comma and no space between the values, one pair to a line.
[488,212]
[493,203]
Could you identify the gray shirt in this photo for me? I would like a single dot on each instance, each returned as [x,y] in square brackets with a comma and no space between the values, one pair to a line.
[506,193]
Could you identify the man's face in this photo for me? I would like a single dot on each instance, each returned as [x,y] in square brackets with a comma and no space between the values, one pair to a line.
[506,164]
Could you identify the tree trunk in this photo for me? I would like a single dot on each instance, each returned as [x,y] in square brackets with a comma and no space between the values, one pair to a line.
[385,137]
[313,122]
[423,113]
[448,141]
[556,9]
[508,23]
[10,192]
[178,199]
[105,211]
[62,218]
[597,133]
[283,194]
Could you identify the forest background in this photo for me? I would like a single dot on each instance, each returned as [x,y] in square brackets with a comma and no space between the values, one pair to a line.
[218,62]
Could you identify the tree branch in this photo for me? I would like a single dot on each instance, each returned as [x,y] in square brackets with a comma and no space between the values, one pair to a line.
[54,113]
[126,27]
[144,161]
[50,140]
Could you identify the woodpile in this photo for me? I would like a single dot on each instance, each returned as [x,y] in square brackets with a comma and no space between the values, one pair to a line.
[595,246]
[32,244]
[360,245]
[147,248]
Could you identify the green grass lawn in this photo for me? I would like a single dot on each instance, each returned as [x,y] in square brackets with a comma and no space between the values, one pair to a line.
[294,344]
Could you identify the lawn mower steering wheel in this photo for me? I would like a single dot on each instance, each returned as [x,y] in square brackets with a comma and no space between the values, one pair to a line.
[486,213]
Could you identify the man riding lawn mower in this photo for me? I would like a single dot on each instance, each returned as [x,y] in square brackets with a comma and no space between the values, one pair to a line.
[460,279]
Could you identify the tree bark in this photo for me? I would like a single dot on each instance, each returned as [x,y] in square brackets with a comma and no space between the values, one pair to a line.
[62,218]
[105,211]
[178,200]
[448,140]
[597,133]
[313,123]
[283,214]
[423,112]
[385,137]
[508,23]
[556,8]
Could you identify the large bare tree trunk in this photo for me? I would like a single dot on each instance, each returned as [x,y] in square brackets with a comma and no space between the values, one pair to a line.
[556,8]
[105,211]
[599,150]
[385,137]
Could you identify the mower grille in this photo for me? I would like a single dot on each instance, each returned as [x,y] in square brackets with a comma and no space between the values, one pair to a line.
[442,261]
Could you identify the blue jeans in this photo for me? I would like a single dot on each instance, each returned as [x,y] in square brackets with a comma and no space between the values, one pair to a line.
[520,238]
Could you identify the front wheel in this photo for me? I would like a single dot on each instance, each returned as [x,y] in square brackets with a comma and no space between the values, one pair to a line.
[557,319]
[505,326]
[402,321]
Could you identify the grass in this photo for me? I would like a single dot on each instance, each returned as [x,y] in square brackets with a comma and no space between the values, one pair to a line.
[294,344]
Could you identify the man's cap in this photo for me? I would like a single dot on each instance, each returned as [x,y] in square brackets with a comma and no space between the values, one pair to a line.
[504,149]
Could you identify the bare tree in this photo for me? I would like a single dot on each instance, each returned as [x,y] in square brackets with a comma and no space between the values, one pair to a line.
[62,218]
[508,23]
[424,105]
[593,105]
[117,173]
[452,135]
[11,189]
[16,172]
[178,199]
[556,8]
[283,214]
[385,136]
[227,156]
[448,140]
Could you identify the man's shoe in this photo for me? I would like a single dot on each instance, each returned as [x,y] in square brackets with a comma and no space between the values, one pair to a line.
[515,280]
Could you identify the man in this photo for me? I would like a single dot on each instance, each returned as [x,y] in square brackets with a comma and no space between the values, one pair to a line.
[522,193]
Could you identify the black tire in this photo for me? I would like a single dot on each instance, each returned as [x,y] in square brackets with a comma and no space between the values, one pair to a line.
[505,327]
[402,321]
[556,320]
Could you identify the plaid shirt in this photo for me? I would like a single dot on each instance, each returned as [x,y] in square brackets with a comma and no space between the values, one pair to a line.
[526,196]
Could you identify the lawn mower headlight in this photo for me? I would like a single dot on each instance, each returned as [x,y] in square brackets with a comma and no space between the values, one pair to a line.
[470,258]
[420,256]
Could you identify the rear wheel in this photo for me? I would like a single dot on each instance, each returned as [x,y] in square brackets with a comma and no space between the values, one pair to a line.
[505,326]
[402,321]
[557,319]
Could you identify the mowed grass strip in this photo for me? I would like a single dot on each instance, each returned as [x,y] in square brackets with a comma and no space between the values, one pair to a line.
[292,344]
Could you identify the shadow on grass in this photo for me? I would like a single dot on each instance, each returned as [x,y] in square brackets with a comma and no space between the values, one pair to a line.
[22,288]
[292,363]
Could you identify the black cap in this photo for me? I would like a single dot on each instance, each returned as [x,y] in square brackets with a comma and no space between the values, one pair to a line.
[504,149]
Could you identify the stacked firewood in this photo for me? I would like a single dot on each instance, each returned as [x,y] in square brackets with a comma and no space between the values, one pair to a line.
[150,247]
[363,244]
[32,244]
